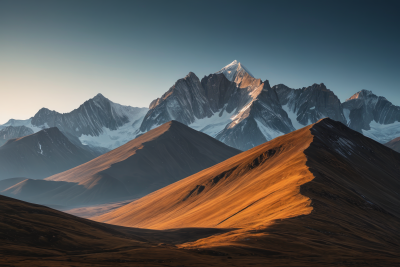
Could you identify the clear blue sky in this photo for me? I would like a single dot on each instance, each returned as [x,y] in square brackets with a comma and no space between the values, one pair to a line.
[57,54]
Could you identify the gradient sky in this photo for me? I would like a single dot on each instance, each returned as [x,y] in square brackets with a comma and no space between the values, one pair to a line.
[57,54]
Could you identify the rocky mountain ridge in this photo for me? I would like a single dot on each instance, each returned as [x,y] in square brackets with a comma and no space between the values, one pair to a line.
[242,111]
[98,123]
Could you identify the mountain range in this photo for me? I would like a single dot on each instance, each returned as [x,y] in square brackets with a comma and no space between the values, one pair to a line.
[229,105]
[99,123]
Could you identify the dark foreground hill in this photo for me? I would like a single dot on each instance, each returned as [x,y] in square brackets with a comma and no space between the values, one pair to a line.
[40,155]
[322,195]
[34,235]
[62,194]
[156,159]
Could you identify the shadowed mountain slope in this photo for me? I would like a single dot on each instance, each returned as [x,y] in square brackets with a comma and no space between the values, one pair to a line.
[60,193]
[155,159]
[324,194]
[34,235]
[40,155]
[48,232]
[394,144]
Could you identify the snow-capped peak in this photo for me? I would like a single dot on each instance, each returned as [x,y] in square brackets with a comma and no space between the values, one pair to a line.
[362,94]
[234,69]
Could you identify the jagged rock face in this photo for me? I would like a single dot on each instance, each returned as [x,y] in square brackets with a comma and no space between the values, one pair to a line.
[11,132]
[217,89]
[364,108]
[88,119]
[263,120]
[183,102]
[310,104]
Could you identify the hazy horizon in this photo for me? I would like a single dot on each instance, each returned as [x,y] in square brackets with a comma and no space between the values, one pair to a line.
[59,54]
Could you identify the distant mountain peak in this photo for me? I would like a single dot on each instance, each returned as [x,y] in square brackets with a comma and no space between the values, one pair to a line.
[362,94]
[191,75]
[99,97]
[232,70]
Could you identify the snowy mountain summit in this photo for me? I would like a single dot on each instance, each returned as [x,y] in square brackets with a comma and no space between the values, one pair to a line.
[234,71]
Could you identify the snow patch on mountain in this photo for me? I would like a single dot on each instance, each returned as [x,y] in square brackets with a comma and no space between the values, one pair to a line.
[214,124]
[112,139]
[131,112]
[293,117]
[383,133]
[346,113]
[40,147]
[268,132]
[231,70]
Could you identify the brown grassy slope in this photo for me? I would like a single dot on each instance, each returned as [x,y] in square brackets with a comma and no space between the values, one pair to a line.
[234,193]
[328,195]
[153,160]
[394,144]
